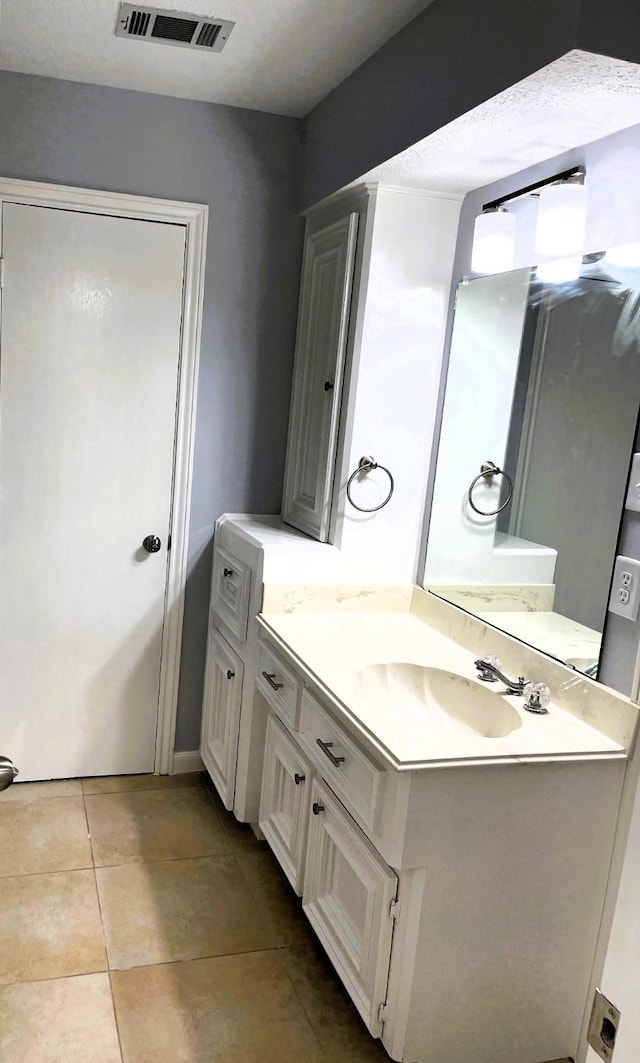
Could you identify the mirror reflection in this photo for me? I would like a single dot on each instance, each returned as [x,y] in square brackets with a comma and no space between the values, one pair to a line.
[538,430]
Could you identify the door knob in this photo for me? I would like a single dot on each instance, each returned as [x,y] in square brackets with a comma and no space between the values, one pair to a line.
[151,544]
[7,772]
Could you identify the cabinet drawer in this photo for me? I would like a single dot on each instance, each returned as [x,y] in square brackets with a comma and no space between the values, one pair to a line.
[280,685]
[357,780]
[230,590]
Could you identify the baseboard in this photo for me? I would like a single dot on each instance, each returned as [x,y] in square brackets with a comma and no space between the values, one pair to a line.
[189,761]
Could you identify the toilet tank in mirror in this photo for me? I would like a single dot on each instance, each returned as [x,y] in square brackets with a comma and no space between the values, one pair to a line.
[539,426]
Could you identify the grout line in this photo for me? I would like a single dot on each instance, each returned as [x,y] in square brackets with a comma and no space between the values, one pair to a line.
[39,874]
[115,1017]
[194,959]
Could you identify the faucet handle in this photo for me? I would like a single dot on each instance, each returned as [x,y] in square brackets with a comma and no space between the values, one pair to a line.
[487,666]
[538,696]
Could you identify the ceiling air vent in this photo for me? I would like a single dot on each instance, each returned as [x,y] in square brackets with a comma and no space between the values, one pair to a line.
[173,27]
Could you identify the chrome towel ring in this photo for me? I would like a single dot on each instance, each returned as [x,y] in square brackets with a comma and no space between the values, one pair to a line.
[487,470]
[368,464]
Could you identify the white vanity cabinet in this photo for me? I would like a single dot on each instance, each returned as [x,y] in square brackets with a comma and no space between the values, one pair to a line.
[323,322]
[350,898]
[221,715]
[235,710]
[284,804]
[459,905]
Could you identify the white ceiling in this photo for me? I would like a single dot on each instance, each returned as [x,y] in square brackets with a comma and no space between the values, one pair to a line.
[283,56]
[575,100]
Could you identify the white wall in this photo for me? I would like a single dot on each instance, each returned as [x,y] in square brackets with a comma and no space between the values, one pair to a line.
[397,375]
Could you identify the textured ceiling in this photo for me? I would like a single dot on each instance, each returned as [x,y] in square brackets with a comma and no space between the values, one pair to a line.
[575,100]
[283,56]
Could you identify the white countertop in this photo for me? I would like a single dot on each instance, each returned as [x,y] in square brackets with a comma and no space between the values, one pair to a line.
[331,648]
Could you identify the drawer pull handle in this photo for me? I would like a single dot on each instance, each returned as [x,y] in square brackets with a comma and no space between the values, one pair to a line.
[298,779]
[316,808]
[270,678]
[230,674]
[326,748]
[227,572]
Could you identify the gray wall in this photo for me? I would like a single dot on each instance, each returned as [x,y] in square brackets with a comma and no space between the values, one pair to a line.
[452,57]
[246,166]
[622,637]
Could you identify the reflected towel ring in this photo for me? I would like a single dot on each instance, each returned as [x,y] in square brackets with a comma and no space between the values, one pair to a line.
[368,464]
[487,470]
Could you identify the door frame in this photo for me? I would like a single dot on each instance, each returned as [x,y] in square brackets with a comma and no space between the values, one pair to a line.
[193,217]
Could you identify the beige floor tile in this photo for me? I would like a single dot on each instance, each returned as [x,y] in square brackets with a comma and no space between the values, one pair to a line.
[49,927]
[335,1021]
[241,836]
[233,1009]
[112,784]
[160,825]
[38,791]
[178,910]
[68,1019]
[38,836]
[273,893]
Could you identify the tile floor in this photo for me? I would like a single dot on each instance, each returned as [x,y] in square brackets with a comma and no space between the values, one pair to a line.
[140,922]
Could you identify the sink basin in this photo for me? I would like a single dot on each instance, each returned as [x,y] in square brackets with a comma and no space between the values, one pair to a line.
[466,703]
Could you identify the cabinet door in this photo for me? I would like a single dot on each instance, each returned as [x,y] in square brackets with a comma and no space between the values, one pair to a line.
[348,895]
[221,715]
[284,804]
[323,321]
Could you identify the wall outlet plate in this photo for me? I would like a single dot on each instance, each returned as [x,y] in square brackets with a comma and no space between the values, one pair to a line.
[633,490]
[624,599]
[603,1026]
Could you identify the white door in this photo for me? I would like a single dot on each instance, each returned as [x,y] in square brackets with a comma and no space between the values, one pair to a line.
[90,335]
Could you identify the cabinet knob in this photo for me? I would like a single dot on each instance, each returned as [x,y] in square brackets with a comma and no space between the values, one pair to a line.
[316,808]
[298,779]
[227,572]
[151,543]
[230,674]
[328,385]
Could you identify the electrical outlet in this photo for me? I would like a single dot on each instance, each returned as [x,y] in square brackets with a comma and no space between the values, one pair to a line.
[603,1026]
[625,588]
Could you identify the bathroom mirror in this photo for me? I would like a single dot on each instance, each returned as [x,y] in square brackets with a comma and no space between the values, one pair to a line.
[544,384]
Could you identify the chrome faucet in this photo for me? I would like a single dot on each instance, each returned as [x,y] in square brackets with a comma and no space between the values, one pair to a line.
[489,671]
[538,694]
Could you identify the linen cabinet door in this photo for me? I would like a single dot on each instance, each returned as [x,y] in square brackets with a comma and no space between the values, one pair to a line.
[348,895]
[284,804]
[323,322]
[221,715]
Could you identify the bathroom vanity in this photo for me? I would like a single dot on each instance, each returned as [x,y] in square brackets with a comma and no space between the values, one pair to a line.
[451,850]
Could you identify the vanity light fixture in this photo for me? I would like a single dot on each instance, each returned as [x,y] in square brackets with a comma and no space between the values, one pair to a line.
[493,241]
[560,229]
[562,217]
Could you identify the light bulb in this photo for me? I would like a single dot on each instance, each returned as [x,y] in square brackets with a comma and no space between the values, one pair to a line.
[493,242]
[561,219]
